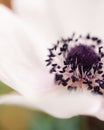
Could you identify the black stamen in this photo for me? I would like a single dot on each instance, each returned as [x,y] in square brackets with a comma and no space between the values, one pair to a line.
[71,88]
[58,77]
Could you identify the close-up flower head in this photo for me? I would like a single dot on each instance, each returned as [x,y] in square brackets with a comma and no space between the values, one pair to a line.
[52,56]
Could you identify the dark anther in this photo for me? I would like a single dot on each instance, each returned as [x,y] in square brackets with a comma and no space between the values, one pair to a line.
[58,42]
[55,47]
[76,40]
[50,59]
[100,49]
[88,36]
[102,85]
[87,82]
[59,53]
[89,87]
[100,66]
[51,49]
[64,82]
[52,70]
[103,75]
[61,71]
[89,73]
[100,93]
[58,77]
[96,88]
[98,81]
[100,72]
[97,92]
[74,79]
[64,40]
[54,64]
[66,62]
[70,39]
[102,54]
[64,68]
[99,41]
[51,55]
[48,64]
[71,88]
[65,46]
[94,38]
[70,71]
[58,67]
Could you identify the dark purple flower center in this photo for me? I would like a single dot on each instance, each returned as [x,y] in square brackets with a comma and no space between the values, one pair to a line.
[82,56]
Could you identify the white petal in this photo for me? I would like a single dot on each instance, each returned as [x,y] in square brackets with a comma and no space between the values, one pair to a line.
[100,113]
[12,98]
[64,104]
[59,102]
[81,16]
[99,22]
[19,64]
[40,13]
[37,14]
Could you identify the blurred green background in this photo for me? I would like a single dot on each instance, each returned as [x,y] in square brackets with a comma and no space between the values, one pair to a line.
[18,118]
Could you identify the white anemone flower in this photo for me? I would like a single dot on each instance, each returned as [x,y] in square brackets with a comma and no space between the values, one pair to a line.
[65,79]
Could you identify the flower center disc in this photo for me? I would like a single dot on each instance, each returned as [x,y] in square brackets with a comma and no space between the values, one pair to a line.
[84,57]
[80,66]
